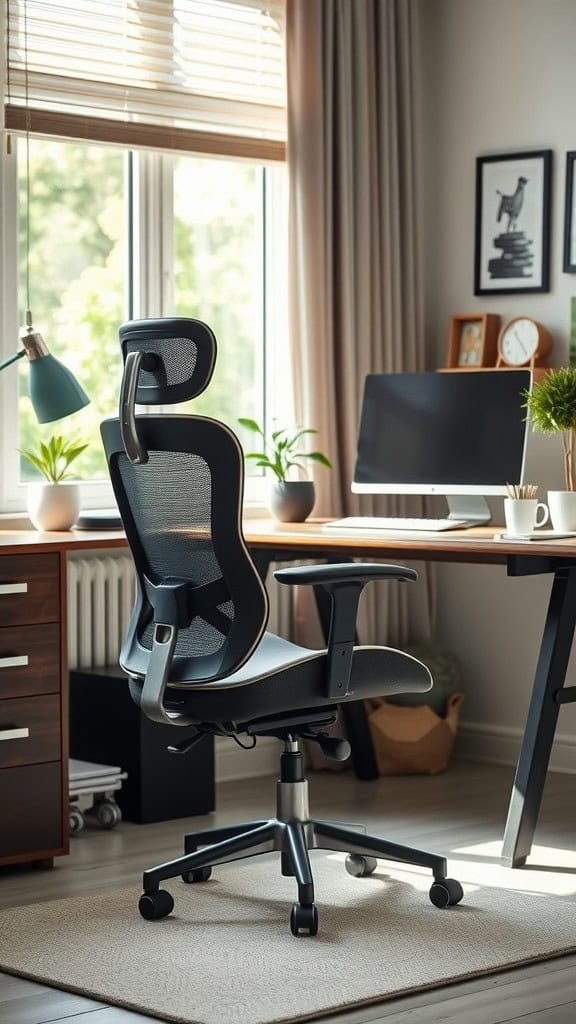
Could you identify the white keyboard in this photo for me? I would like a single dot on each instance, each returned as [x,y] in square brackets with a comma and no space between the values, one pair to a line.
[394,523]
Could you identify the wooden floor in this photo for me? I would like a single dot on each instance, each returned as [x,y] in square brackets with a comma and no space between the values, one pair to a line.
[464,808]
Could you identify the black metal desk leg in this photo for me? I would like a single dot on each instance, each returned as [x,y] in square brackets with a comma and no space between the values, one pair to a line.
[542,717]
[353,713]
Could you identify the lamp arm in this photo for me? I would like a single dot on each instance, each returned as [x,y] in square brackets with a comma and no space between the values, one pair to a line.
[13,359]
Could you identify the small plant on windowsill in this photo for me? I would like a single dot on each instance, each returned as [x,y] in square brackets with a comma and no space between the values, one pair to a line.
[54,503]
[290,500]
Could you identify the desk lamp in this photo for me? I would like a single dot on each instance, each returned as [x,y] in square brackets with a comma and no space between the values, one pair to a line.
[54,391]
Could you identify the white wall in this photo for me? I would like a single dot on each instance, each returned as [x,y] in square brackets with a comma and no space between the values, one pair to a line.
[497,76]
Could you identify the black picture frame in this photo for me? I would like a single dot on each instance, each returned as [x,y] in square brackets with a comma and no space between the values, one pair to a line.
[512,223]
[569,264]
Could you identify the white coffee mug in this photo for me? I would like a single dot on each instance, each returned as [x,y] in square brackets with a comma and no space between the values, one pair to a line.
[521,515]
[562,506]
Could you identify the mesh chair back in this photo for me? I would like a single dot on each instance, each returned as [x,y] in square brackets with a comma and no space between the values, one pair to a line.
[181,510]
[179,357]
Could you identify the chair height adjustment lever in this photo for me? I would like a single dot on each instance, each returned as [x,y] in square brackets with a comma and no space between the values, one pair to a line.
[332,747]
[186,745]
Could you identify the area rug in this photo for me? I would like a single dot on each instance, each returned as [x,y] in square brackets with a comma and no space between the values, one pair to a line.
[226,954]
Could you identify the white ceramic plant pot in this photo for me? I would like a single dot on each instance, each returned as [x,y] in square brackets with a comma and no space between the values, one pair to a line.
[53,506]
[562,506]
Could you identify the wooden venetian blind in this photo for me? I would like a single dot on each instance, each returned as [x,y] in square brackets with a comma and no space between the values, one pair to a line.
[200,75]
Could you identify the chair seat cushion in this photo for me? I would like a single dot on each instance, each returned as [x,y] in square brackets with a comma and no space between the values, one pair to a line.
[281,676]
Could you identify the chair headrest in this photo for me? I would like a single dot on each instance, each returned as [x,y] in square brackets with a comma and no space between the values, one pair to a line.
[178,357]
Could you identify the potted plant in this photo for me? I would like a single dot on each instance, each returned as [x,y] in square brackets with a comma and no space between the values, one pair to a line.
[54,504]
[552,406]
[290,501]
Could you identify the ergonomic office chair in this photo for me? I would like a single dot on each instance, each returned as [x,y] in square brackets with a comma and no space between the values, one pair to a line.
[196,650]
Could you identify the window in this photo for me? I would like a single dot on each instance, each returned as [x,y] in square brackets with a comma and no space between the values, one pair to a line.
[118,230]
[79,285]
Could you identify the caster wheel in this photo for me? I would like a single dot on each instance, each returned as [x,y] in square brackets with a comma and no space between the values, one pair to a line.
[360,866]
[108,815]
[198,875]
[155,905]
[76,820]
[304,919]
[446,893]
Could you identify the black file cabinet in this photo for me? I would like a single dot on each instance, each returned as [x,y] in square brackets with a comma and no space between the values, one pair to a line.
[107,727]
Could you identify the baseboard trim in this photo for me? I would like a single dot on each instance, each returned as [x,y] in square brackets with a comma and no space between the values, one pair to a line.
[476,741]
[231,762]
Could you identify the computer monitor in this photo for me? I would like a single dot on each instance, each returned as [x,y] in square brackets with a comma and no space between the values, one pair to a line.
[460,434]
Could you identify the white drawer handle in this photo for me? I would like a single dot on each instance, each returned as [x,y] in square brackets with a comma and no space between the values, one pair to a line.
[16,662]
[14,734]
[13,588]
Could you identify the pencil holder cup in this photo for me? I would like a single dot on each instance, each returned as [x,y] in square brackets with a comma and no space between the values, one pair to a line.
[524,515]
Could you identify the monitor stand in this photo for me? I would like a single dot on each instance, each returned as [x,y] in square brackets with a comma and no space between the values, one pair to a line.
[473,508]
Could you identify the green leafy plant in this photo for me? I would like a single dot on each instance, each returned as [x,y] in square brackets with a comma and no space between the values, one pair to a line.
[552,405]
[54,458]
[279,454]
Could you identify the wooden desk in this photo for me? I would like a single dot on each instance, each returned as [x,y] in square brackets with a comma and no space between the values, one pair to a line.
[271,542]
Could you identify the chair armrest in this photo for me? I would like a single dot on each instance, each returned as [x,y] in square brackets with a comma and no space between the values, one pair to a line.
[344,583]
[346,572]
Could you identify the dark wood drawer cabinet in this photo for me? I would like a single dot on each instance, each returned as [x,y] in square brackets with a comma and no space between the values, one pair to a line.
[31,812]
[29,589]
[29,660]
[30,730]
[33,708]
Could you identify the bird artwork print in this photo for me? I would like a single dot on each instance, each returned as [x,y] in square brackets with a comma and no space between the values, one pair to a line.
[512,205]
[515,259]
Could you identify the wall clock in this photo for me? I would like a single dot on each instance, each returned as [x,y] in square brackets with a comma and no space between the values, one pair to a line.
[523,342]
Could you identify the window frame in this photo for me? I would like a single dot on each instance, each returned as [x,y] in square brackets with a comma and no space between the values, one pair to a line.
[150,254]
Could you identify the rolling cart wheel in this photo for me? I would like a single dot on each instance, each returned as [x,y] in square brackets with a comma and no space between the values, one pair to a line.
[76,819]
[108,814]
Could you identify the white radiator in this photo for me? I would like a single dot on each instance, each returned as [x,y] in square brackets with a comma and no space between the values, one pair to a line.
[100,599]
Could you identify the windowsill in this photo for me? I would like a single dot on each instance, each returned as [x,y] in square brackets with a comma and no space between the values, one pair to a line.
[20,521]
[255,510]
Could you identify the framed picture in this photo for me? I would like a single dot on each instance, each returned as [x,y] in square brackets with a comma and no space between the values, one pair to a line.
[512,237]
[472,341]
[569,265]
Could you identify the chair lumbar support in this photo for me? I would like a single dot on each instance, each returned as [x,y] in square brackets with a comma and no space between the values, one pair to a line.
[292,833]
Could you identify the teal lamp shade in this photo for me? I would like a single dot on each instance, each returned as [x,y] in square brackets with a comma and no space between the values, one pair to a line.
[54,390]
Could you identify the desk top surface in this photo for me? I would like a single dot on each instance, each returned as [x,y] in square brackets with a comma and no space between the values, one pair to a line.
[482,544]
[474,545]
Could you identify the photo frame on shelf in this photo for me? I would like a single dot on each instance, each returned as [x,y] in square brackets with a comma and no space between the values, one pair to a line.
[569,264]
[472,341]
[512,224]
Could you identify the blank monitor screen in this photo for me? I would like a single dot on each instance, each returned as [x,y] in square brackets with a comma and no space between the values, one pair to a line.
[442,433]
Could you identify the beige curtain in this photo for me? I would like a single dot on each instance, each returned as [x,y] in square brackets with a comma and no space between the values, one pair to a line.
[354,250]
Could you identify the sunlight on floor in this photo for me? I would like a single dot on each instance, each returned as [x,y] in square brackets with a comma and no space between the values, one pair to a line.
[550,871]
[553,872]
